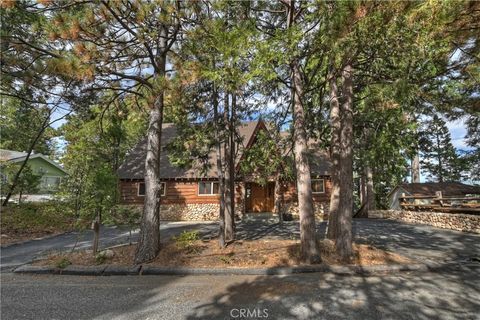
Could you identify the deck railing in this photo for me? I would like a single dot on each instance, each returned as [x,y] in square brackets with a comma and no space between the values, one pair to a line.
[438,202]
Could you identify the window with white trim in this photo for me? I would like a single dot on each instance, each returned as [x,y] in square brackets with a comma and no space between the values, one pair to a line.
[318,186]
[141,189]
[206,188]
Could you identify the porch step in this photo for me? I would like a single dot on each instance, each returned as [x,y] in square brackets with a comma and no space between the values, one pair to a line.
[264,217]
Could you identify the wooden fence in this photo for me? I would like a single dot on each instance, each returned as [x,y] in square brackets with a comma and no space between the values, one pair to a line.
[440,203]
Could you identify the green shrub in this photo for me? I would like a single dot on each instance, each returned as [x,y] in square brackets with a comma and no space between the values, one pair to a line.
[186,240]
[63,263]
[226,259]
[50,216]
[186,237]
[100,258]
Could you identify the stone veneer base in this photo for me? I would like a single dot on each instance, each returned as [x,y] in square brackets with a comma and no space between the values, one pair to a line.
[454,221]
[209,211]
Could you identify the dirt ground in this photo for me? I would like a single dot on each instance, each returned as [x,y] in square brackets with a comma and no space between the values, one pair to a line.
[240,254]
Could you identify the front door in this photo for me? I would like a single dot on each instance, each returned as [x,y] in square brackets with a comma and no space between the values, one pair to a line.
[262,197]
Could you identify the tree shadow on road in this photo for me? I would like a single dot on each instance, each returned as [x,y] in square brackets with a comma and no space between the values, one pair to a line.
[328,296]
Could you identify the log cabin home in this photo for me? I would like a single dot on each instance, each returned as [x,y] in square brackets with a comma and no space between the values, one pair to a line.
[189,194]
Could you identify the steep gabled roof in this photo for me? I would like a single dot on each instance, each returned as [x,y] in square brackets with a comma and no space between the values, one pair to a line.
[134,165]
[429,188]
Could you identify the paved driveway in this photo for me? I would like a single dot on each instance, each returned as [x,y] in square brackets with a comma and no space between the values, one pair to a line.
[421,242]
[19,254]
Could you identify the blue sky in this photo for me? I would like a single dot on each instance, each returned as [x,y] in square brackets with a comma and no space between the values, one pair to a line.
[457,132]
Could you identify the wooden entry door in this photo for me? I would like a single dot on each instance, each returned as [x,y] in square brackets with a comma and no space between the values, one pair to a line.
[262,197]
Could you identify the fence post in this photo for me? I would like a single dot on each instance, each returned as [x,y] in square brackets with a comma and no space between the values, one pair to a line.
[438,194]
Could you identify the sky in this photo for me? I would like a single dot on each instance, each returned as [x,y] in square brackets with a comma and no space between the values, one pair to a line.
[457,132]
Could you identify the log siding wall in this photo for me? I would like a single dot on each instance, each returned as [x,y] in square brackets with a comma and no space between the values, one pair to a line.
[178,192]
[186,192]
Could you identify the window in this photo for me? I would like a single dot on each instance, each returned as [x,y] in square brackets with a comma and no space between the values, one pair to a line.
[141,189]
[50,183]
[318,186]
[207,188]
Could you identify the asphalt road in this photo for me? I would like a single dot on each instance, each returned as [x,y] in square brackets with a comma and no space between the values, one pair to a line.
[19,254]
[450,295]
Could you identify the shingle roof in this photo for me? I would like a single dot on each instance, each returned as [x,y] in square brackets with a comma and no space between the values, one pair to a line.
[447,188]
[134,165]
[16,156]
[6,155]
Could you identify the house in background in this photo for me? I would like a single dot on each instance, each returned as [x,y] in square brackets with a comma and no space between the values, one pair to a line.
[428,190]
[186,194]
[50,172]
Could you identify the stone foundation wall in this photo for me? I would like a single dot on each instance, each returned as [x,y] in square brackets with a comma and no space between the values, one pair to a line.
[321,210]
[187,212]
[460,222]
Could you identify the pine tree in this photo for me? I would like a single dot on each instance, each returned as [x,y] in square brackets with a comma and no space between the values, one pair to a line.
[440,161]
[124,47]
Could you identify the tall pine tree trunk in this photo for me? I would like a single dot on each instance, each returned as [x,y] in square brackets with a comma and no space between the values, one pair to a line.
[370,193]
[232,162]
[221,180]
[308,238]
[229,227]
[278,197]
[149,238]
[416,168]
[343,242]
[336,126]
[363,188]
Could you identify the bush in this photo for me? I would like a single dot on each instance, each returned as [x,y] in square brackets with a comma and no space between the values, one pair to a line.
[186,240]
[63,263]
[45,217]
[287,217]
[124,215]
[100,258]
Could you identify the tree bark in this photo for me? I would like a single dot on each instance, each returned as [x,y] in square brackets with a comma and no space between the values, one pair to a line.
[149,238]
[343,241]
[308,238]
[229,229]
[221,180]
[370,191]
[278,197]
[416,168]
[336,127]
[96,233]
[232,161]
[363,187]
